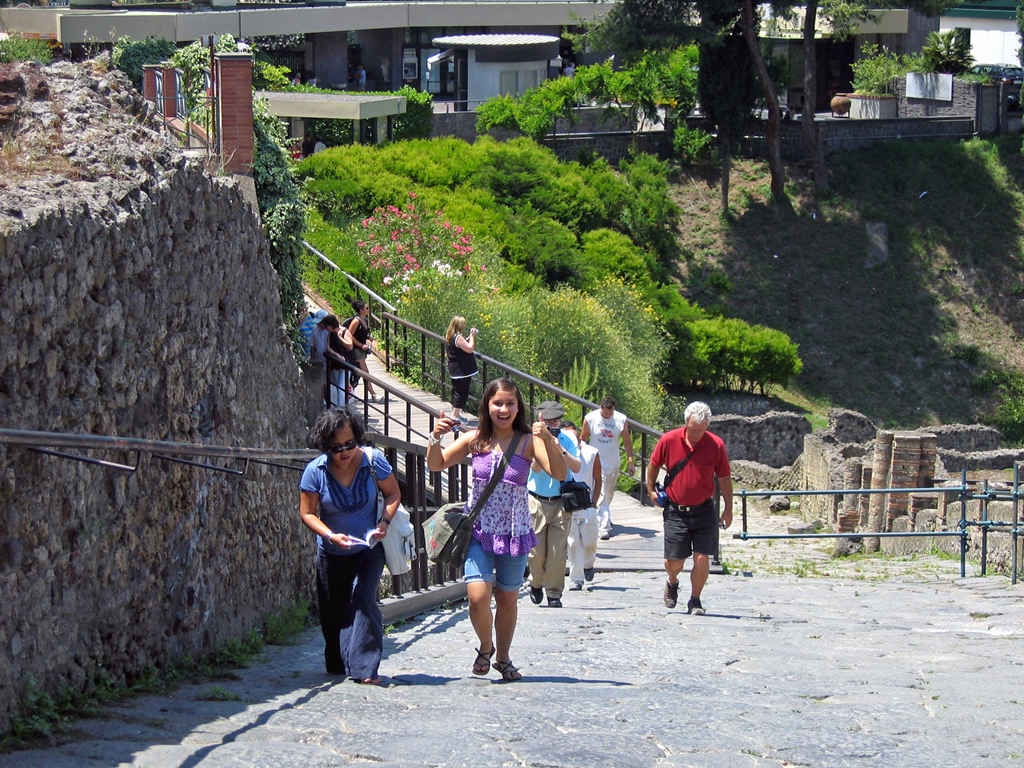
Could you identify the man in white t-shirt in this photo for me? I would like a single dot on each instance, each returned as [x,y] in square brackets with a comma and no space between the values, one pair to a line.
[602,428]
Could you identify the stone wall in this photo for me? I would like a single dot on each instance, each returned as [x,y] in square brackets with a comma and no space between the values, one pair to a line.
[842,456]
[775,439]
[140,304]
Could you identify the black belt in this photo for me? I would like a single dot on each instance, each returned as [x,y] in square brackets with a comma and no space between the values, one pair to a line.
[691,510]
[545,498]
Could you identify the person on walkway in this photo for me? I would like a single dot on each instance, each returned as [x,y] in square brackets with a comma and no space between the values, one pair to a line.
[550,520]
[338,502]
[461,363]
[583,526]
[361,77]
[695,457]
[602,428]
[326,349]
[359,328]
[502,534]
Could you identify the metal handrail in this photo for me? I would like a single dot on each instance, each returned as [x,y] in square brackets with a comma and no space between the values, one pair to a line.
[429,367]
[430,370]
[964,492]
[408,458]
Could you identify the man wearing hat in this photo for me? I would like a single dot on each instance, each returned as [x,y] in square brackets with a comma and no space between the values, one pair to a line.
[550,520]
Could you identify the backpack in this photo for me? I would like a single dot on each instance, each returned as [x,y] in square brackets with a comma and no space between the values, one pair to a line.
[346,336]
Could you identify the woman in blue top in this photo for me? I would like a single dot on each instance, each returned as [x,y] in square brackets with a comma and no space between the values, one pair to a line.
[338,502]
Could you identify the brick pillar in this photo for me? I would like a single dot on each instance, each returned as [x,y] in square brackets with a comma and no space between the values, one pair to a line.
[234,111]
[150,72]
[169,109]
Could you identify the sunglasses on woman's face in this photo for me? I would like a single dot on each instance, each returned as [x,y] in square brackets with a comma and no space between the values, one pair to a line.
[342,447]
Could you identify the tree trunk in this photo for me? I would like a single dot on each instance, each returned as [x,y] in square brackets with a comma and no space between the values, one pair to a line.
[726,151]
[812,134]
[774,125]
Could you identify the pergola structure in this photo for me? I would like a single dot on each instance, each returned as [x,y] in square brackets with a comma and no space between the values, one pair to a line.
[374,114]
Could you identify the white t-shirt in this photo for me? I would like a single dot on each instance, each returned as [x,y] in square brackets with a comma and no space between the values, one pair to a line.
[604,435]
[586,474]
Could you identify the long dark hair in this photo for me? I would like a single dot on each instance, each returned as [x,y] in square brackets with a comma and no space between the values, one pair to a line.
[485,429]
[321,436]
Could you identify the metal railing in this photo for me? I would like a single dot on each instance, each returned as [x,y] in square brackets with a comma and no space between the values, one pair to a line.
[966,491]
[422,491]
[419,355]
[427,366]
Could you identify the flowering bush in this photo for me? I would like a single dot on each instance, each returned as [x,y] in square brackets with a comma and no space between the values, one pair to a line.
[407,251]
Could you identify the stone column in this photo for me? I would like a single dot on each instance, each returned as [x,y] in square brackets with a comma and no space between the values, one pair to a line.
[879,479]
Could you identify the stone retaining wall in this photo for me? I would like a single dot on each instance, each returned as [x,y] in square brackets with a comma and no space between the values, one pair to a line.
[150,312]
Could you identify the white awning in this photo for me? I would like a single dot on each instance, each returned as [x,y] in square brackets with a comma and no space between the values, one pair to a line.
[432,60]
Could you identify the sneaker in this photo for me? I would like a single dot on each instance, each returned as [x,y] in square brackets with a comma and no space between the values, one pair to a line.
[605,535]
[576,586]
[554,602]
[693,606]
[588,574]
[536,595]
[671,594]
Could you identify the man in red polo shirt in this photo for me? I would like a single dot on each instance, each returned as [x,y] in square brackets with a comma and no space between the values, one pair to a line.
[691,520]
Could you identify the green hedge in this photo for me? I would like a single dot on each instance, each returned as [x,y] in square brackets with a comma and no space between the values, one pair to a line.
[567,265]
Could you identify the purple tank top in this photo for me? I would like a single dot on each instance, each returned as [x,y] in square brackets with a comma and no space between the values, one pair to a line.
[503,526]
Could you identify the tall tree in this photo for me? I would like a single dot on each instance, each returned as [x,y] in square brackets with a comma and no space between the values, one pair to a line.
[727,89]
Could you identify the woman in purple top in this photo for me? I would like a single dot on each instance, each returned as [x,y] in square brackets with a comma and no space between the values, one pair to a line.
[503,534]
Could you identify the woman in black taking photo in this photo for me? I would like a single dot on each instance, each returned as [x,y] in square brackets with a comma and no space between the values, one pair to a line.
[359,328]
[461,363]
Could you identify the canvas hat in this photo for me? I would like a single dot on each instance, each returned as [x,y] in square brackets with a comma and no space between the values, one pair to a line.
[550,410]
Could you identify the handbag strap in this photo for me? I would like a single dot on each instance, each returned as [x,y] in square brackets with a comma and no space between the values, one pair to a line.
[676,470]
[495,477]
[368,453]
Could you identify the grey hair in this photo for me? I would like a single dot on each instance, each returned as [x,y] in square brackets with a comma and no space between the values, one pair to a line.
[699,411]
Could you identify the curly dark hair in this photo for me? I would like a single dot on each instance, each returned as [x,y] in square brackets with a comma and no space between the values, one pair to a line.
[321,435]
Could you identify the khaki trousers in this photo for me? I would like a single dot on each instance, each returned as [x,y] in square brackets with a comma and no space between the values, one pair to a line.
[547,559]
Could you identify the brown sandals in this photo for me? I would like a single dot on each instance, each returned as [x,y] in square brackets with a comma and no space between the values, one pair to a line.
[482,665]
[508,671]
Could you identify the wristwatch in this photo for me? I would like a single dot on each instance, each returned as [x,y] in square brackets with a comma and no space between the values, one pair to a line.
[433,441]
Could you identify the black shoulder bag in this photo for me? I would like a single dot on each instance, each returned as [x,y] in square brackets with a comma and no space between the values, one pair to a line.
[661,489]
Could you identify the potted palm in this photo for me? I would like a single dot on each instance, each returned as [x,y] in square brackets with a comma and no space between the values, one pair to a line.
[943,57]
[874,78]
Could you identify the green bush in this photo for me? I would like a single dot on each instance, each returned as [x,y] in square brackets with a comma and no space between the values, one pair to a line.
[649,212]
[692,145]
[418,120]
[610,253]
[18,48]
[130,56]
[541,232]
[1007,388]
[731,354]
[875,72]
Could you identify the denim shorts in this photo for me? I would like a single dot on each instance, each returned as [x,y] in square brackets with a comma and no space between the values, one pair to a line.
[485,566]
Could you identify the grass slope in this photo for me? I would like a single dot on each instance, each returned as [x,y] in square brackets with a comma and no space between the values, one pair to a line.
[900,340]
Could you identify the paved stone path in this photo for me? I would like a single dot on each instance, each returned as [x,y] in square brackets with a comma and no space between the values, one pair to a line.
[782,671]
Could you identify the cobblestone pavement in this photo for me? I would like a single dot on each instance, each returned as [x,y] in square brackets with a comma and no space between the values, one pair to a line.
[802,659]
[783,670]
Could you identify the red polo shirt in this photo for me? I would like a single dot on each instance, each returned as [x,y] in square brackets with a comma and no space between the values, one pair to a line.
[696,483]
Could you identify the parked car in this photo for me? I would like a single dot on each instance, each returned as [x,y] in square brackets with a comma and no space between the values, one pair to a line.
[1009,74]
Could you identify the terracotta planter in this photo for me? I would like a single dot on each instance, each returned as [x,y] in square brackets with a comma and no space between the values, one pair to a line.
[840,105]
